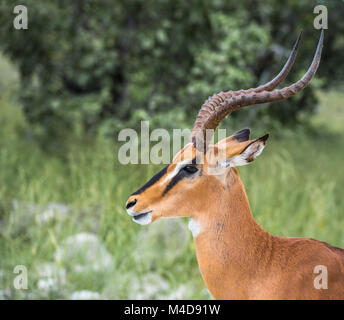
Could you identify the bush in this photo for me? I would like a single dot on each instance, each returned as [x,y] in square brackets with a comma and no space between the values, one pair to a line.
[90,64]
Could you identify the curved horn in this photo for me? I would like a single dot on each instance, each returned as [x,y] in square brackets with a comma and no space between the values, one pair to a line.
[220,105]
[283,73]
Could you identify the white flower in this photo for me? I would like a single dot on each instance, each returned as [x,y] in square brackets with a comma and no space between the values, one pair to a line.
[53,211]
[51,277]
[84,295]
[182,292]
[150,286]
[47,284]
[84,251]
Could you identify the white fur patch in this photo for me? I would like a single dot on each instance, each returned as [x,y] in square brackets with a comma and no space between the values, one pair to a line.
[194,227]
[145,219]
[252,152]
[176,170]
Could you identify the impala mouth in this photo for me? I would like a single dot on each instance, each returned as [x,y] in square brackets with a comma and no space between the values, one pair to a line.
[143,218]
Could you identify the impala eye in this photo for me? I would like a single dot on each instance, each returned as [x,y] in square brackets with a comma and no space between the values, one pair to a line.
[190,169]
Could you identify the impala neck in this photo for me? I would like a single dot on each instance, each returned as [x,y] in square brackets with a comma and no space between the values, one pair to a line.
[231,247]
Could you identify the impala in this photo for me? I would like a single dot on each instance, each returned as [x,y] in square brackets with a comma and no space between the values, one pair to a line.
[236,257]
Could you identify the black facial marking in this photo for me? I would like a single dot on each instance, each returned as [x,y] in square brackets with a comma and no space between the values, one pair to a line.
[179,176]
[242,135]
[153,180]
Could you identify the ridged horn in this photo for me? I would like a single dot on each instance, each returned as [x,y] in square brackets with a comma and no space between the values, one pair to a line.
[217,107]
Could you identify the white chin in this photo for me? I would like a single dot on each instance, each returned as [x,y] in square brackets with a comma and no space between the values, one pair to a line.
[144,218]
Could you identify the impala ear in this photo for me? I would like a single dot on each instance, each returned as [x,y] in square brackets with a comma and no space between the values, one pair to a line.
[240,136]
[248,154]
[234,144]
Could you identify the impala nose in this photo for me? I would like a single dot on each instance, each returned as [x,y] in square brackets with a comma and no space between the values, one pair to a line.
[131,203]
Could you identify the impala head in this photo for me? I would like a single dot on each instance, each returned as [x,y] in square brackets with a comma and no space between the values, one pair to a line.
[200,171]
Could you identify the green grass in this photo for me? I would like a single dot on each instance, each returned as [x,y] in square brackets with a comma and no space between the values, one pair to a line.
[295,189]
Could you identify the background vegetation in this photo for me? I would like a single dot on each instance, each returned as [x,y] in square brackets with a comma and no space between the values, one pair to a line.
[86,69]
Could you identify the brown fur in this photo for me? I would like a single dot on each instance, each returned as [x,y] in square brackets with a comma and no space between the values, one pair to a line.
[237,258]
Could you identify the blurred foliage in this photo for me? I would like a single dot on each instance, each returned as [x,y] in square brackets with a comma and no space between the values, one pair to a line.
[49,204]
[98,66]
